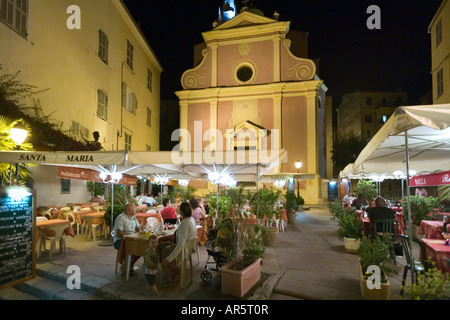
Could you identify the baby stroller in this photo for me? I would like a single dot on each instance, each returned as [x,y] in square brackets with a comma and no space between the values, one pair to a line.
[220,251]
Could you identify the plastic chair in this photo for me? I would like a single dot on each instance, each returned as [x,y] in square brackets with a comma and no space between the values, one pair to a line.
[98,208]
[41,219]
[445,226]
[437,217]
[418,266]
[86,209]
[92,227]
[59,236]
[153,222]
[46,214]
[181,259]
[69,216]
[65,209]
[389,226]
[151,211]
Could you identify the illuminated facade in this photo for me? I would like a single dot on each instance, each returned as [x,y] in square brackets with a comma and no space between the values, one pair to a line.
[103,77]
[440,53]
[249,81]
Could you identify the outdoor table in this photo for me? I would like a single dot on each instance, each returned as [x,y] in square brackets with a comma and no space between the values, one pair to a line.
[397,209]
[431,229]
[136,244]
[436,250]
[79,214]
[40,225]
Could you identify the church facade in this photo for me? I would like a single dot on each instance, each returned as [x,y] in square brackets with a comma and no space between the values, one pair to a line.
[249,84]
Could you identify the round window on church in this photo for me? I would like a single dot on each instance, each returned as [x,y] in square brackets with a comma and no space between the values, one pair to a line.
[244,73]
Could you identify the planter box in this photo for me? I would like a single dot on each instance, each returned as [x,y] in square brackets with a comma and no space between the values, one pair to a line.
[351,244]
[373,294]
[270,239]
[238,283]
[291,214]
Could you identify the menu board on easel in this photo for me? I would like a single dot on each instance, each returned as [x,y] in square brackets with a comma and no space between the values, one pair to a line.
[17,253]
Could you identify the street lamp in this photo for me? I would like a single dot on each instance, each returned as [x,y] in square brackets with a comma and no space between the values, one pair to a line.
[298,165]
[18,134]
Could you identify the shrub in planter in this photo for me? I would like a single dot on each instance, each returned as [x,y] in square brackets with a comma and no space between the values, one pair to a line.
[420,207]
[375,252]
[431,285]
[350,230]
[118,209]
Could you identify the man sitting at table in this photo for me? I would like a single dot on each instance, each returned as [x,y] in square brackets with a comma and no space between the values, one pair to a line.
[380,211]
[126,223]
[168,214]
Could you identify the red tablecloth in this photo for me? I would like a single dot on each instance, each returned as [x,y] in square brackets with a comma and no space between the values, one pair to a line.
[436,251]
[432,229]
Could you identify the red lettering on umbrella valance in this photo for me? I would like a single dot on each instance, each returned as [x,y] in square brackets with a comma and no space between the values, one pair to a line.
[91,175]
[434,179]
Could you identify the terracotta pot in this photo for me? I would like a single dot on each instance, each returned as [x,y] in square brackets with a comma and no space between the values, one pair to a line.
[351,244]
[238,283]
[373,294]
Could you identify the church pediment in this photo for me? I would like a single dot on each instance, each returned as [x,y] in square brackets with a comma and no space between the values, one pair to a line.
[244,19]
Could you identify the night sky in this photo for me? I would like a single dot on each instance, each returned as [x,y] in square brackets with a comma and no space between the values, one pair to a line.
[352,57]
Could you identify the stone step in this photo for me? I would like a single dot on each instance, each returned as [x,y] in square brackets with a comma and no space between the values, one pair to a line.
[47,289]
[12,293]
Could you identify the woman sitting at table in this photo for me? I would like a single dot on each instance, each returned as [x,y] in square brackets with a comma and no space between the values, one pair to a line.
[187,230]
[168,214]
[198,213]
[360,201]
[126,223]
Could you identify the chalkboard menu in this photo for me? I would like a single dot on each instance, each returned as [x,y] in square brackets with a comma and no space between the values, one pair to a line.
[17,253]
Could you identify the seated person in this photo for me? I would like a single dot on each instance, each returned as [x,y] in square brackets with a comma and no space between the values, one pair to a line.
[187,230]
[168,214]
[198,213]
[380,211]
[360,201]
[150,201]
[126,223]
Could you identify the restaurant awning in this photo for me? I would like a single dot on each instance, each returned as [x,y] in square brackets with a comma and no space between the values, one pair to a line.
[428,180]
[243,165]
[428,136]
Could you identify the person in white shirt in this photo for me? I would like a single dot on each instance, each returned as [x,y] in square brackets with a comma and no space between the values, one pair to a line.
[150,201]
[141,198]
[126,223]
[187,230]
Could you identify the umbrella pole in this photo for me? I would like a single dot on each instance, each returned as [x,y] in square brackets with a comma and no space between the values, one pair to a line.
[107,242]
[409,206]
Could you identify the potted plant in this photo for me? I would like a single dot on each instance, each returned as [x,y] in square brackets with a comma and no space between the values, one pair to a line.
[242,273]
[337,209]
[373,268]
[368,188]
[420,209]
[431,285]
[300,202]
[290,206]
[350,230]
[263,204]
